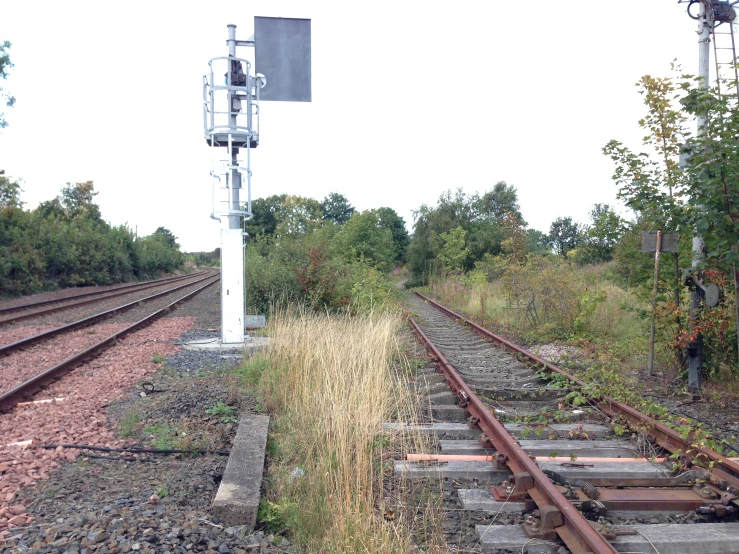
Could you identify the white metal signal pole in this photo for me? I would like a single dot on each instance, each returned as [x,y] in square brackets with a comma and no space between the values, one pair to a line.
[232,240]
[284,55]
[695,349]
[234,220]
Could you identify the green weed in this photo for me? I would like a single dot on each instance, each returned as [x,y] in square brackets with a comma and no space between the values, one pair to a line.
[128,422]
[224,411]
[164,437]
[272,516]
[251,371]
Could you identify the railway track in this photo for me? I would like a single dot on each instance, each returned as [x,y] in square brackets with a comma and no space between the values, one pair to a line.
[10,314]
[30,384]
[509,445]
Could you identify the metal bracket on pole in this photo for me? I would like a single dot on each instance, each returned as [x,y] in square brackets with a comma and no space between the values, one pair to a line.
[710,294]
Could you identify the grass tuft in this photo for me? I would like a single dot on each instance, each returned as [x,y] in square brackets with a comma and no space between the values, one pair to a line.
[127,424]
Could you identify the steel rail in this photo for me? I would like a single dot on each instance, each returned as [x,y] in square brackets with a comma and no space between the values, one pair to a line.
[128,289]
[7,348]
[11,397]
[575,531]
[669,439]
[6,309]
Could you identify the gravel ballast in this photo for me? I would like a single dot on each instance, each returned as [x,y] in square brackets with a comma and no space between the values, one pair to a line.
[145,392]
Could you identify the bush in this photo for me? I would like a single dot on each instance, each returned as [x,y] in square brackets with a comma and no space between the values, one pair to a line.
[314,271]
[65,243]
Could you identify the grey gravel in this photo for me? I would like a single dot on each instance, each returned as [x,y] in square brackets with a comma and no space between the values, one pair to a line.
[206,307]
[201,360]
[161,503]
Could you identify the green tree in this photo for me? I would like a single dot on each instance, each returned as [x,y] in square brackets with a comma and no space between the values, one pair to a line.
[298,216]
[336,208]
[166,237]
[77,201]
[265,212]
[10,192]
[564,235]
[601,236]
[389,219]
[65,242]
[5,65]
[537,242]
[454,253]
[701,195]
[515,243]
[479,216]
[364,237]
[503,199]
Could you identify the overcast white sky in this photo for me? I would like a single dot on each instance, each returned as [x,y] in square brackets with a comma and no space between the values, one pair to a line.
[410,98]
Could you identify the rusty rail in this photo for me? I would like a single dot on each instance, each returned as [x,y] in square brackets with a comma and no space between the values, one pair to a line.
[568,522]
[724,468]
[11,397]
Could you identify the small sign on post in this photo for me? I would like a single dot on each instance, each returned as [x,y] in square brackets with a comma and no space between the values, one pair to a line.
[649,241]
[656,241]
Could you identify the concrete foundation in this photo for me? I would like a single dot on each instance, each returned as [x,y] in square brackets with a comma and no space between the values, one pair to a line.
[248,346]
[237,500]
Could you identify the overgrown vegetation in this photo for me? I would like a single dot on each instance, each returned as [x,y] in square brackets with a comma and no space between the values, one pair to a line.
[326,471]
[205,259]
[323,255]
[605,378]
[591,283]
[697,194]
[65,242]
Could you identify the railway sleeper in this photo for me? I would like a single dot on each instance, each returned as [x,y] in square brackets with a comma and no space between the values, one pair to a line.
[563,447]
[616,502]
[706,538]
[445,430]
[597,473]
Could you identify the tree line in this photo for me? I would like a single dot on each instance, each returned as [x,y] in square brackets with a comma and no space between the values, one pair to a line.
[463,232]
[65,242]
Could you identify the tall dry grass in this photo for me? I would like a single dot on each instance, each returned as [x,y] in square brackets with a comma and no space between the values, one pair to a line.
[331,381]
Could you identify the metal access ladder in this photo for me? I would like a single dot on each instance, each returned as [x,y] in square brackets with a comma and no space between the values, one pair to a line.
[724,54]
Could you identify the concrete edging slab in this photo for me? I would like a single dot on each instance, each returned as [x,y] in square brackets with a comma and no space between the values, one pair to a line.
[237,500]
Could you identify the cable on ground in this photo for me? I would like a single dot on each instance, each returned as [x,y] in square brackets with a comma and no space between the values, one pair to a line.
[134,449]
